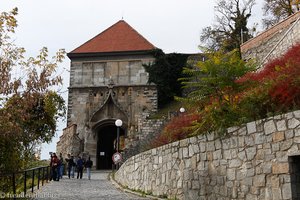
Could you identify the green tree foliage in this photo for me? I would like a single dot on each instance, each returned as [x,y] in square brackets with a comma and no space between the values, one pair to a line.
[29,105]
[231,26]
[277,10]
[165,72]
[215,90]
[215,78]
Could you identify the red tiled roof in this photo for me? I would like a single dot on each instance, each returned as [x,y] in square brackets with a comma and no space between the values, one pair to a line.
[117,38]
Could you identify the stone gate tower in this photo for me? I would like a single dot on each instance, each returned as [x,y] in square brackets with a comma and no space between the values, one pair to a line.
[107,82]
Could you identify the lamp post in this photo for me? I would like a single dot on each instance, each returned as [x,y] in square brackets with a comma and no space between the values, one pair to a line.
[182,114]
[182,109]
[118,123]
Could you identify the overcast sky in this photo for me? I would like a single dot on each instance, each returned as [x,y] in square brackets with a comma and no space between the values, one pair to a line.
[172,25]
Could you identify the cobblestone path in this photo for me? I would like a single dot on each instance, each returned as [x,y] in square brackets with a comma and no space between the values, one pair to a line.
[99,187]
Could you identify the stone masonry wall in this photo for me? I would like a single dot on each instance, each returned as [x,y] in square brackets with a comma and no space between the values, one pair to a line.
[147,130]
[273,42]
[68,142]
[92,76]
[254,163]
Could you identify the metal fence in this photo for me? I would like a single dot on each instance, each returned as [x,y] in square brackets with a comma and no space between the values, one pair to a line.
[18,184]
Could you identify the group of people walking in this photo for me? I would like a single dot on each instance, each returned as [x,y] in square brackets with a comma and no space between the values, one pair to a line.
[57,166]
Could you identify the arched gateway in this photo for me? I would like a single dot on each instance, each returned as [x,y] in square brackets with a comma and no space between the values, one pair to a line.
[107,82]
[106,135]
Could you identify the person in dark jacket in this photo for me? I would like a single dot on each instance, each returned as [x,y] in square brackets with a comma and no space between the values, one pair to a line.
[80,164]
[71,164]
[88,166]
[54,166]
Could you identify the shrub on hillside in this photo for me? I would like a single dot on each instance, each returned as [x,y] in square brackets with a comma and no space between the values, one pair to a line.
[223,98]
[214,88]
[278,82]
[178,128]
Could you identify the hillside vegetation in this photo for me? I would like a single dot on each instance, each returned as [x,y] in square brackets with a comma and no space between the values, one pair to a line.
[226,91]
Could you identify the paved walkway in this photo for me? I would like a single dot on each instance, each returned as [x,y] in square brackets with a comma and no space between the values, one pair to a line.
[99,187]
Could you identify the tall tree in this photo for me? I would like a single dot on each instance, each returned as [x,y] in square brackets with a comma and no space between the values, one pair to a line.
[277,10]
[231,26]
[29,106]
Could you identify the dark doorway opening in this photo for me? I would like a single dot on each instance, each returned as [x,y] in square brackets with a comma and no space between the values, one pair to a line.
[294,162]
[107,136]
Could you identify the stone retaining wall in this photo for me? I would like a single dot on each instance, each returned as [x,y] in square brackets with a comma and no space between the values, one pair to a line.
[148,129]
[257,162]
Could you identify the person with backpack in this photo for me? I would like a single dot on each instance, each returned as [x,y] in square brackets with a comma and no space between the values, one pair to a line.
[88,166]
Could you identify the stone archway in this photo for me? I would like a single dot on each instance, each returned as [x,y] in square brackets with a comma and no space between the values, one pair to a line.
[106,144]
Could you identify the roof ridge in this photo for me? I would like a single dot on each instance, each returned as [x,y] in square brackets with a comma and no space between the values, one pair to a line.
[120,25]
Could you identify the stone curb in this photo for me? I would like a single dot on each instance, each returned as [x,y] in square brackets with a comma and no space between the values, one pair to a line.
[117,185]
